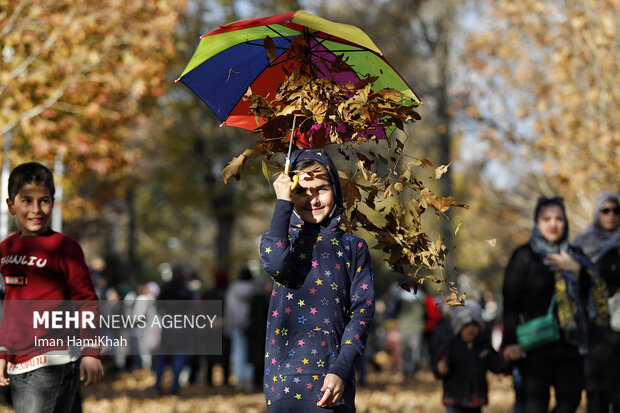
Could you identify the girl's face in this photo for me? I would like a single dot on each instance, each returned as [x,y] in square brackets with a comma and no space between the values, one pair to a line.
[313,197]
[609,215]
[551,223]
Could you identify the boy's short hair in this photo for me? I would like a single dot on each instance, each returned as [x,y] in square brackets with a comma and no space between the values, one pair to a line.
[30,173]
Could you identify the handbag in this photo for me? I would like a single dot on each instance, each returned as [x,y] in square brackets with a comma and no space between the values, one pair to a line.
[540,330]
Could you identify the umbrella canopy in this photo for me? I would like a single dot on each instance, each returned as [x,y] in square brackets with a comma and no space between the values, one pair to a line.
[233,58]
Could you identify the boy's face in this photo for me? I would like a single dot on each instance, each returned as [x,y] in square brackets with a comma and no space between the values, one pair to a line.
[313,197]
[469,332]
[32,207]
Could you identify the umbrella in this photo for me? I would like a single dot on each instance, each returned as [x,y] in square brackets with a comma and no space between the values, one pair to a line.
[232,59]
[236,65]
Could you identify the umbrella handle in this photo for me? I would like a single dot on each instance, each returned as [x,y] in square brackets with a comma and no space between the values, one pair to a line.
[287,166]
[295,178]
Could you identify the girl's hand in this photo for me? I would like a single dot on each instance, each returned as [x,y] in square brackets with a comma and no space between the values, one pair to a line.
[282,186]
[333,387]
[562,262]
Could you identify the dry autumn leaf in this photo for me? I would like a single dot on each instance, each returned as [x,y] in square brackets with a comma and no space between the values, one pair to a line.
[63,92]
[232,169]
[439,171]
[440,204]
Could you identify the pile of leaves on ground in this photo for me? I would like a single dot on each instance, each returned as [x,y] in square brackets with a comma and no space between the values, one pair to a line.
[384,392]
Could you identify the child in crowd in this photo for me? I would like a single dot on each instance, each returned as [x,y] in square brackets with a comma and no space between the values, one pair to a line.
[322,301]
[464,360]
[38,263]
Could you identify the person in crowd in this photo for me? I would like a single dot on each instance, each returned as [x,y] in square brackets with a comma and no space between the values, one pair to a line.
[393,345]
[601,243]
[545,266]
[97,270]
[38,263]
[236,322]
[147,338]
[433,317]
[256,333]
[218,292]
[176,289]
[114,307]
[411,326]
[322,302]
[463,362]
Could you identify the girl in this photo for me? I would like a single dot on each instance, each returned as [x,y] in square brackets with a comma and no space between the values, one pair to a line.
[322,301]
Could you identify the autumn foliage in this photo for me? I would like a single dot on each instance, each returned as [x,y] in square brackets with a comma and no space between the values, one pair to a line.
[558,67]
[79,77]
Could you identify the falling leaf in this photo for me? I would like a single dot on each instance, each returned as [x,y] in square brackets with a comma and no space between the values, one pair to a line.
[270,47]
[233,166]
[440,204]
[458,227]
[439,171]
[491,242]
[265,169]
[351,192]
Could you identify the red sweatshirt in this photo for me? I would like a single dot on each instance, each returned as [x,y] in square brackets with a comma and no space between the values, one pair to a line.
[50,266]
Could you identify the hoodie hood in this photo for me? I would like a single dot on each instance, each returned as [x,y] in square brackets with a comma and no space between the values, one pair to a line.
[320,156]
[461,316]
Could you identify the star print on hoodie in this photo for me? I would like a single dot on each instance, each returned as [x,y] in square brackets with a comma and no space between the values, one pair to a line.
[322,302]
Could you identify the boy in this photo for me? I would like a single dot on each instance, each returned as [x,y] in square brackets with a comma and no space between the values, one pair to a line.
[464,362]
[40,264]
[322,302]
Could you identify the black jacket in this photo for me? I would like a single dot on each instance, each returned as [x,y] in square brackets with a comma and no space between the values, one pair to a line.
[528,287]
[465,384]
[604,354]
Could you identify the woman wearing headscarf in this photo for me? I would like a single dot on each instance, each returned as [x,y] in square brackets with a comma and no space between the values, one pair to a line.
[601,243]
[545,266]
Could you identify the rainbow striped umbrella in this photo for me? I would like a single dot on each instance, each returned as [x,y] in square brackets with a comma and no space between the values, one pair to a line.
[233,58]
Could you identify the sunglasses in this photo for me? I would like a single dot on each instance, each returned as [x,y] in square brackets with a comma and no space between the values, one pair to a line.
[615,211]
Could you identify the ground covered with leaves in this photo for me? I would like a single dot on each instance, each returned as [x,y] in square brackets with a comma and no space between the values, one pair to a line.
[385,392]
[132,392]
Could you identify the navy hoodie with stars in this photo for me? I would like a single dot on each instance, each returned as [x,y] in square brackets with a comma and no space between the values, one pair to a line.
[322,301]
